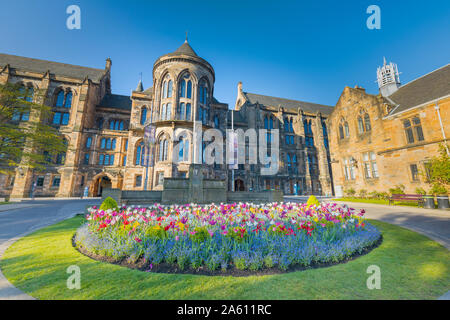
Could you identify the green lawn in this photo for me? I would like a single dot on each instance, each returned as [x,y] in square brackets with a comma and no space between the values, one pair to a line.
[3,202]
[377,201]
[412,267]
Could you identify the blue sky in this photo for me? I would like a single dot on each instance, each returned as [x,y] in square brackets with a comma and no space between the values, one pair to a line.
[303,50]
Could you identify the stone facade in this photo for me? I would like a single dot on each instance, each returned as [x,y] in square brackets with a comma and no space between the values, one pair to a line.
[378,142]
[105,131]
[318,144]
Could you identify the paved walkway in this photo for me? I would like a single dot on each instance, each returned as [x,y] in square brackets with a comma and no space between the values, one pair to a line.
[23,218]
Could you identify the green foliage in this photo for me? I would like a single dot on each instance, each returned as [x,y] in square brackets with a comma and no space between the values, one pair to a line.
[439,170]
[312,200]
[156,232]
[362,193]
[109,203]
[438,189]
[268,261]
[28,144]
[200,235]
[350,192]
[398,189]
[421,191]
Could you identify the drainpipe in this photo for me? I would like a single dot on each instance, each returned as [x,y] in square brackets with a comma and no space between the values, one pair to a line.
[442,127]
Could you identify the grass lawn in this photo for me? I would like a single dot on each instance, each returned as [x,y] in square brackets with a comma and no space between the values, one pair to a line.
[4,202]
[378,201]
[412,267]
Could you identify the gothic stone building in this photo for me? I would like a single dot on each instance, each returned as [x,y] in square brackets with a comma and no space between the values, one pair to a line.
[380,141]
[105,131]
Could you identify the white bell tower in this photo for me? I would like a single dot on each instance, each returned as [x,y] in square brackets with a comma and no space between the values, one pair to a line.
[388,78]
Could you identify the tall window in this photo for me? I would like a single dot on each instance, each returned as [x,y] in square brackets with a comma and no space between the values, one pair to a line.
[360,125]
[64,99]
[370,165]
[27,94]
[203,98]
[117,125]
[61,118]
[140,154]
[414,172]
[88,142]
[143,115]
[163,149]
[309,137]
[418,129]
[349,168]
[408,131]
[367,125]
[183,149]
[325,135]
[138,181]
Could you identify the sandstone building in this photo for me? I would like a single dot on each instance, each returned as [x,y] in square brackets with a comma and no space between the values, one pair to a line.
[380,141]
[105,131]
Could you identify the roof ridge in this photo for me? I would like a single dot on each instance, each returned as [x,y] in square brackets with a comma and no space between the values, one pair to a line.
[245,92]
[61,63]
[423,76]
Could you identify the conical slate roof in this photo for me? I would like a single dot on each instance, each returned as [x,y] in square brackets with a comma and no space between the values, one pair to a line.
[185,49]
[140,87]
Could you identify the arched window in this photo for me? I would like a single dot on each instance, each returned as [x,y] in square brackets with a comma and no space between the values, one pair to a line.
[291,126]
[286,124]
[113,144]
[121,126]
[183,89]
[346,130]
[163,146]
[165,90]
[143,115]
[288,161]
[60,99]
[103,143]
[68,103]
[271,123]
[189,89]
[341,131]
[360,125]
[169,89]
[266,122]
[367,122]
[140,154]
[108,144]
[181,149]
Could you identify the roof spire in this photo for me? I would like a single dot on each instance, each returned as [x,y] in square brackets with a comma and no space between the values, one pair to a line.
[186,36]
[140,87]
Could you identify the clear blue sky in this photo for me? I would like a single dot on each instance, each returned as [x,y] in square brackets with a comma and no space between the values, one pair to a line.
[307,50]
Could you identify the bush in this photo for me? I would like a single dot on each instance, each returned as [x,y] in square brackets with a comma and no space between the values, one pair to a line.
[421,191]
[438,189]
[398,189]
[374,195]
[312,200]
[109,203]
[362,193]
[350,192]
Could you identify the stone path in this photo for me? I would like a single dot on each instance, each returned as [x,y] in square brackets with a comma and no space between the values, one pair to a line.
[21,219]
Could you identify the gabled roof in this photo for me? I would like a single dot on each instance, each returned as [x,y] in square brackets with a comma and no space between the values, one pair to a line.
[115,101]
[429,87]
[57,68]
[286,103]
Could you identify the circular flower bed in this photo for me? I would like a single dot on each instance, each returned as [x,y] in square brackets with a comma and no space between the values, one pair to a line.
[226,237]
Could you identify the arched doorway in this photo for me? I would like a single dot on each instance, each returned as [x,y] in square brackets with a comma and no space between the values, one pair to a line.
[103,182]
[239,185]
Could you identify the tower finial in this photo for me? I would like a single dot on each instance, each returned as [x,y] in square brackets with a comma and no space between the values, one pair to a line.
[384,61]
[186,36]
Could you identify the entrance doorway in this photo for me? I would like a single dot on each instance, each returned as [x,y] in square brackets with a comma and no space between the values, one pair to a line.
[239,185]
[101,184]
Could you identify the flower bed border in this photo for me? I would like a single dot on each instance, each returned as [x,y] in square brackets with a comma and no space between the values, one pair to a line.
[167,268]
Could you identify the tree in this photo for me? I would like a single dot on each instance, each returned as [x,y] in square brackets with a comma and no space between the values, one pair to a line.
[26,138]
[438,170]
